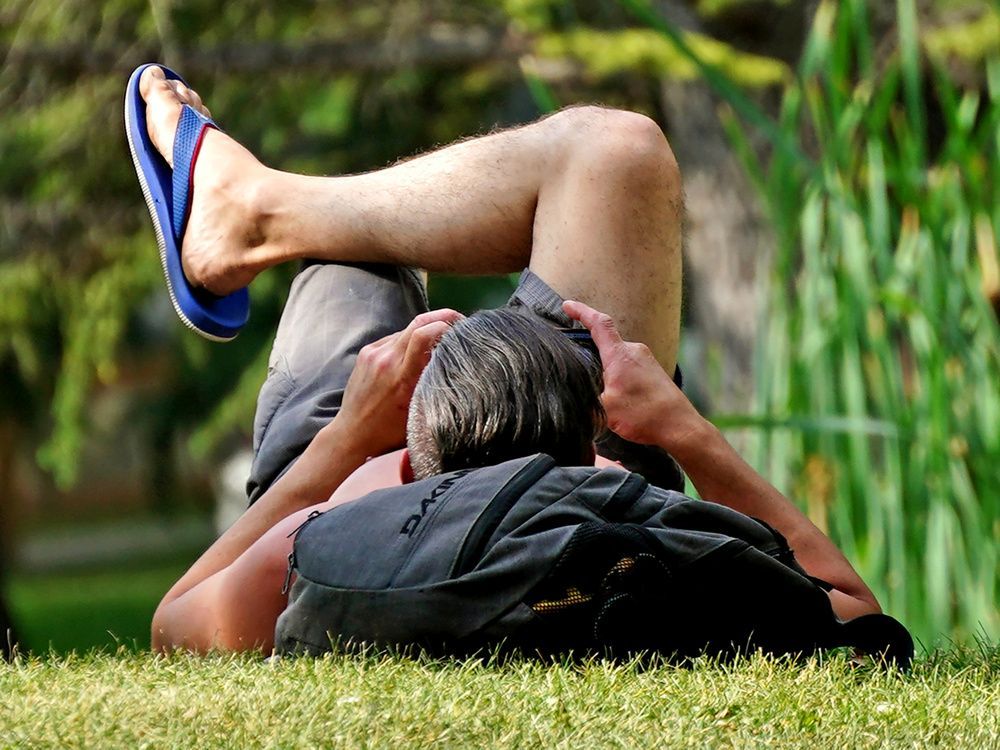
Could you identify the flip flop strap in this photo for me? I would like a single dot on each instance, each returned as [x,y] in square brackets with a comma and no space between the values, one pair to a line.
[190,131]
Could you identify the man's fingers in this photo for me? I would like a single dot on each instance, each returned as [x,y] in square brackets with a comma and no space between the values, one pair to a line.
[422,334]
[602,328]
[385,340]
[422,341]
[432,316]
[402,338]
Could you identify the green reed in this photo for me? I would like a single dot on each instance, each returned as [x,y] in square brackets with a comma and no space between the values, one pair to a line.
[878,365]
[877,310]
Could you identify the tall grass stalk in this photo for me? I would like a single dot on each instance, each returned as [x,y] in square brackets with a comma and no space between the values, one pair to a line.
[876,315]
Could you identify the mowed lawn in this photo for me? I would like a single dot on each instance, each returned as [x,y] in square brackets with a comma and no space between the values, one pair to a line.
[950,700]
[129,698]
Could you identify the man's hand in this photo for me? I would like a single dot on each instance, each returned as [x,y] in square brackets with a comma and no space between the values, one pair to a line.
[642,401]
[378,393]
[644,405]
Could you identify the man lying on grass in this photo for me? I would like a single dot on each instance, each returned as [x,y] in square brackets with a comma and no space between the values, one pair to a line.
[588,201]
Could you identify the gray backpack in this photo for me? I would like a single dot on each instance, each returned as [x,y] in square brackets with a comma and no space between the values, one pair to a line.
[545,559]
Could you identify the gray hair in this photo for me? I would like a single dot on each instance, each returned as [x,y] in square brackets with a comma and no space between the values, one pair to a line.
[502,384]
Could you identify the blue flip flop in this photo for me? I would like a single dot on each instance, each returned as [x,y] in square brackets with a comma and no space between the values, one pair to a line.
[168,197]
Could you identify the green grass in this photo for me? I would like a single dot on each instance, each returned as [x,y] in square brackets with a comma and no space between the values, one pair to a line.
[951,700]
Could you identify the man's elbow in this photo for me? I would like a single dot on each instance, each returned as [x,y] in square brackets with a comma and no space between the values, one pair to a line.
[161,636]
[848,606]
[869,600]
[200,632]
[172,630]
[157,636]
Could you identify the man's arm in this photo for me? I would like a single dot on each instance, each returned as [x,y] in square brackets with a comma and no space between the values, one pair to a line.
[722,476]
[217,603]
[644,405]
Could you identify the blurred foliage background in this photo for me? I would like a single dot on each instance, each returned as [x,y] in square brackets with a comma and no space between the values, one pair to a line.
[842,283]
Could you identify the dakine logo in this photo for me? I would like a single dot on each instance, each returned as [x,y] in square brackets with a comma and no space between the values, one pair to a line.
[413,521]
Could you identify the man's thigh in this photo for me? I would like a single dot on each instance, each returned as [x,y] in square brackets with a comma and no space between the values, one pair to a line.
[608,231]
[333,310]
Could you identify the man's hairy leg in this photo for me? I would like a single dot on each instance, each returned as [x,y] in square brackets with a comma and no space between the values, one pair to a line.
[588,197]
[608,226]
[466,208]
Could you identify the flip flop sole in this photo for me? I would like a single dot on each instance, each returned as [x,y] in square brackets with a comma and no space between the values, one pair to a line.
[215,318]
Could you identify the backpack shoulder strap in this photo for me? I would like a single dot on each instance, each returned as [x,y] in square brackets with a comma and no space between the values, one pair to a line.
[622,499]
[498,508]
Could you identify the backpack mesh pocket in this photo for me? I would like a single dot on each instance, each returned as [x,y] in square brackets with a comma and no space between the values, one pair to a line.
[587,601]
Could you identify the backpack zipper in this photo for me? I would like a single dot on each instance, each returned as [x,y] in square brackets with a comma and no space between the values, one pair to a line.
[497,509]
[291,555]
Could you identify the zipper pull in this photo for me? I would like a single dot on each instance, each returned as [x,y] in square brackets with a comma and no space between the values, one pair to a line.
[291,555]
[298,528]
[288,572]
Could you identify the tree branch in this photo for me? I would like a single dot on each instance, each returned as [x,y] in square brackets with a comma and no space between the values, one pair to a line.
[440,47]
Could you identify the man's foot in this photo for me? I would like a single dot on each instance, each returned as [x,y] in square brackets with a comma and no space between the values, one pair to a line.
[223,226]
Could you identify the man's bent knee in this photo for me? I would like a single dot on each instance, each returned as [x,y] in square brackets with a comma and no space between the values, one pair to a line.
[618,144]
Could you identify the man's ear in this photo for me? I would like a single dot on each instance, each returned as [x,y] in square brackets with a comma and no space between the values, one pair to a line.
[405,467]
[591,455]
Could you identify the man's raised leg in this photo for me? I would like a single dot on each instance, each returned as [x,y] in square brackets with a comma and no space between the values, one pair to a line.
[589,198]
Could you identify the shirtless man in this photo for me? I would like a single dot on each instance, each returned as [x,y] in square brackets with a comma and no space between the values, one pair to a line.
[588,200]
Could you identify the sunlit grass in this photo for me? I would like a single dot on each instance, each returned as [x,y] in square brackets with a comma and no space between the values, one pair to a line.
[950,700]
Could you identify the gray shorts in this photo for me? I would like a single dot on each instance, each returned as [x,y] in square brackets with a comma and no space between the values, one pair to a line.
[333,310]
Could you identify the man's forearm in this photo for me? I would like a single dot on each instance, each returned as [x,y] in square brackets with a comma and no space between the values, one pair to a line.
[722,476]
[330,458]
[643,404]
[215,603]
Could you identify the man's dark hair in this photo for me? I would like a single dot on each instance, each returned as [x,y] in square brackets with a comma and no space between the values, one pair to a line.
[499,385]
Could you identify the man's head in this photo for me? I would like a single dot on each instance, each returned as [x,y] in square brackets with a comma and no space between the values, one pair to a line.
[502,384]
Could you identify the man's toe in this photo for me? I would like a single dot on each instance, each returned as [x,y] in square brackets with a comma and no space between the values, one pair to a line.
[151,77]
